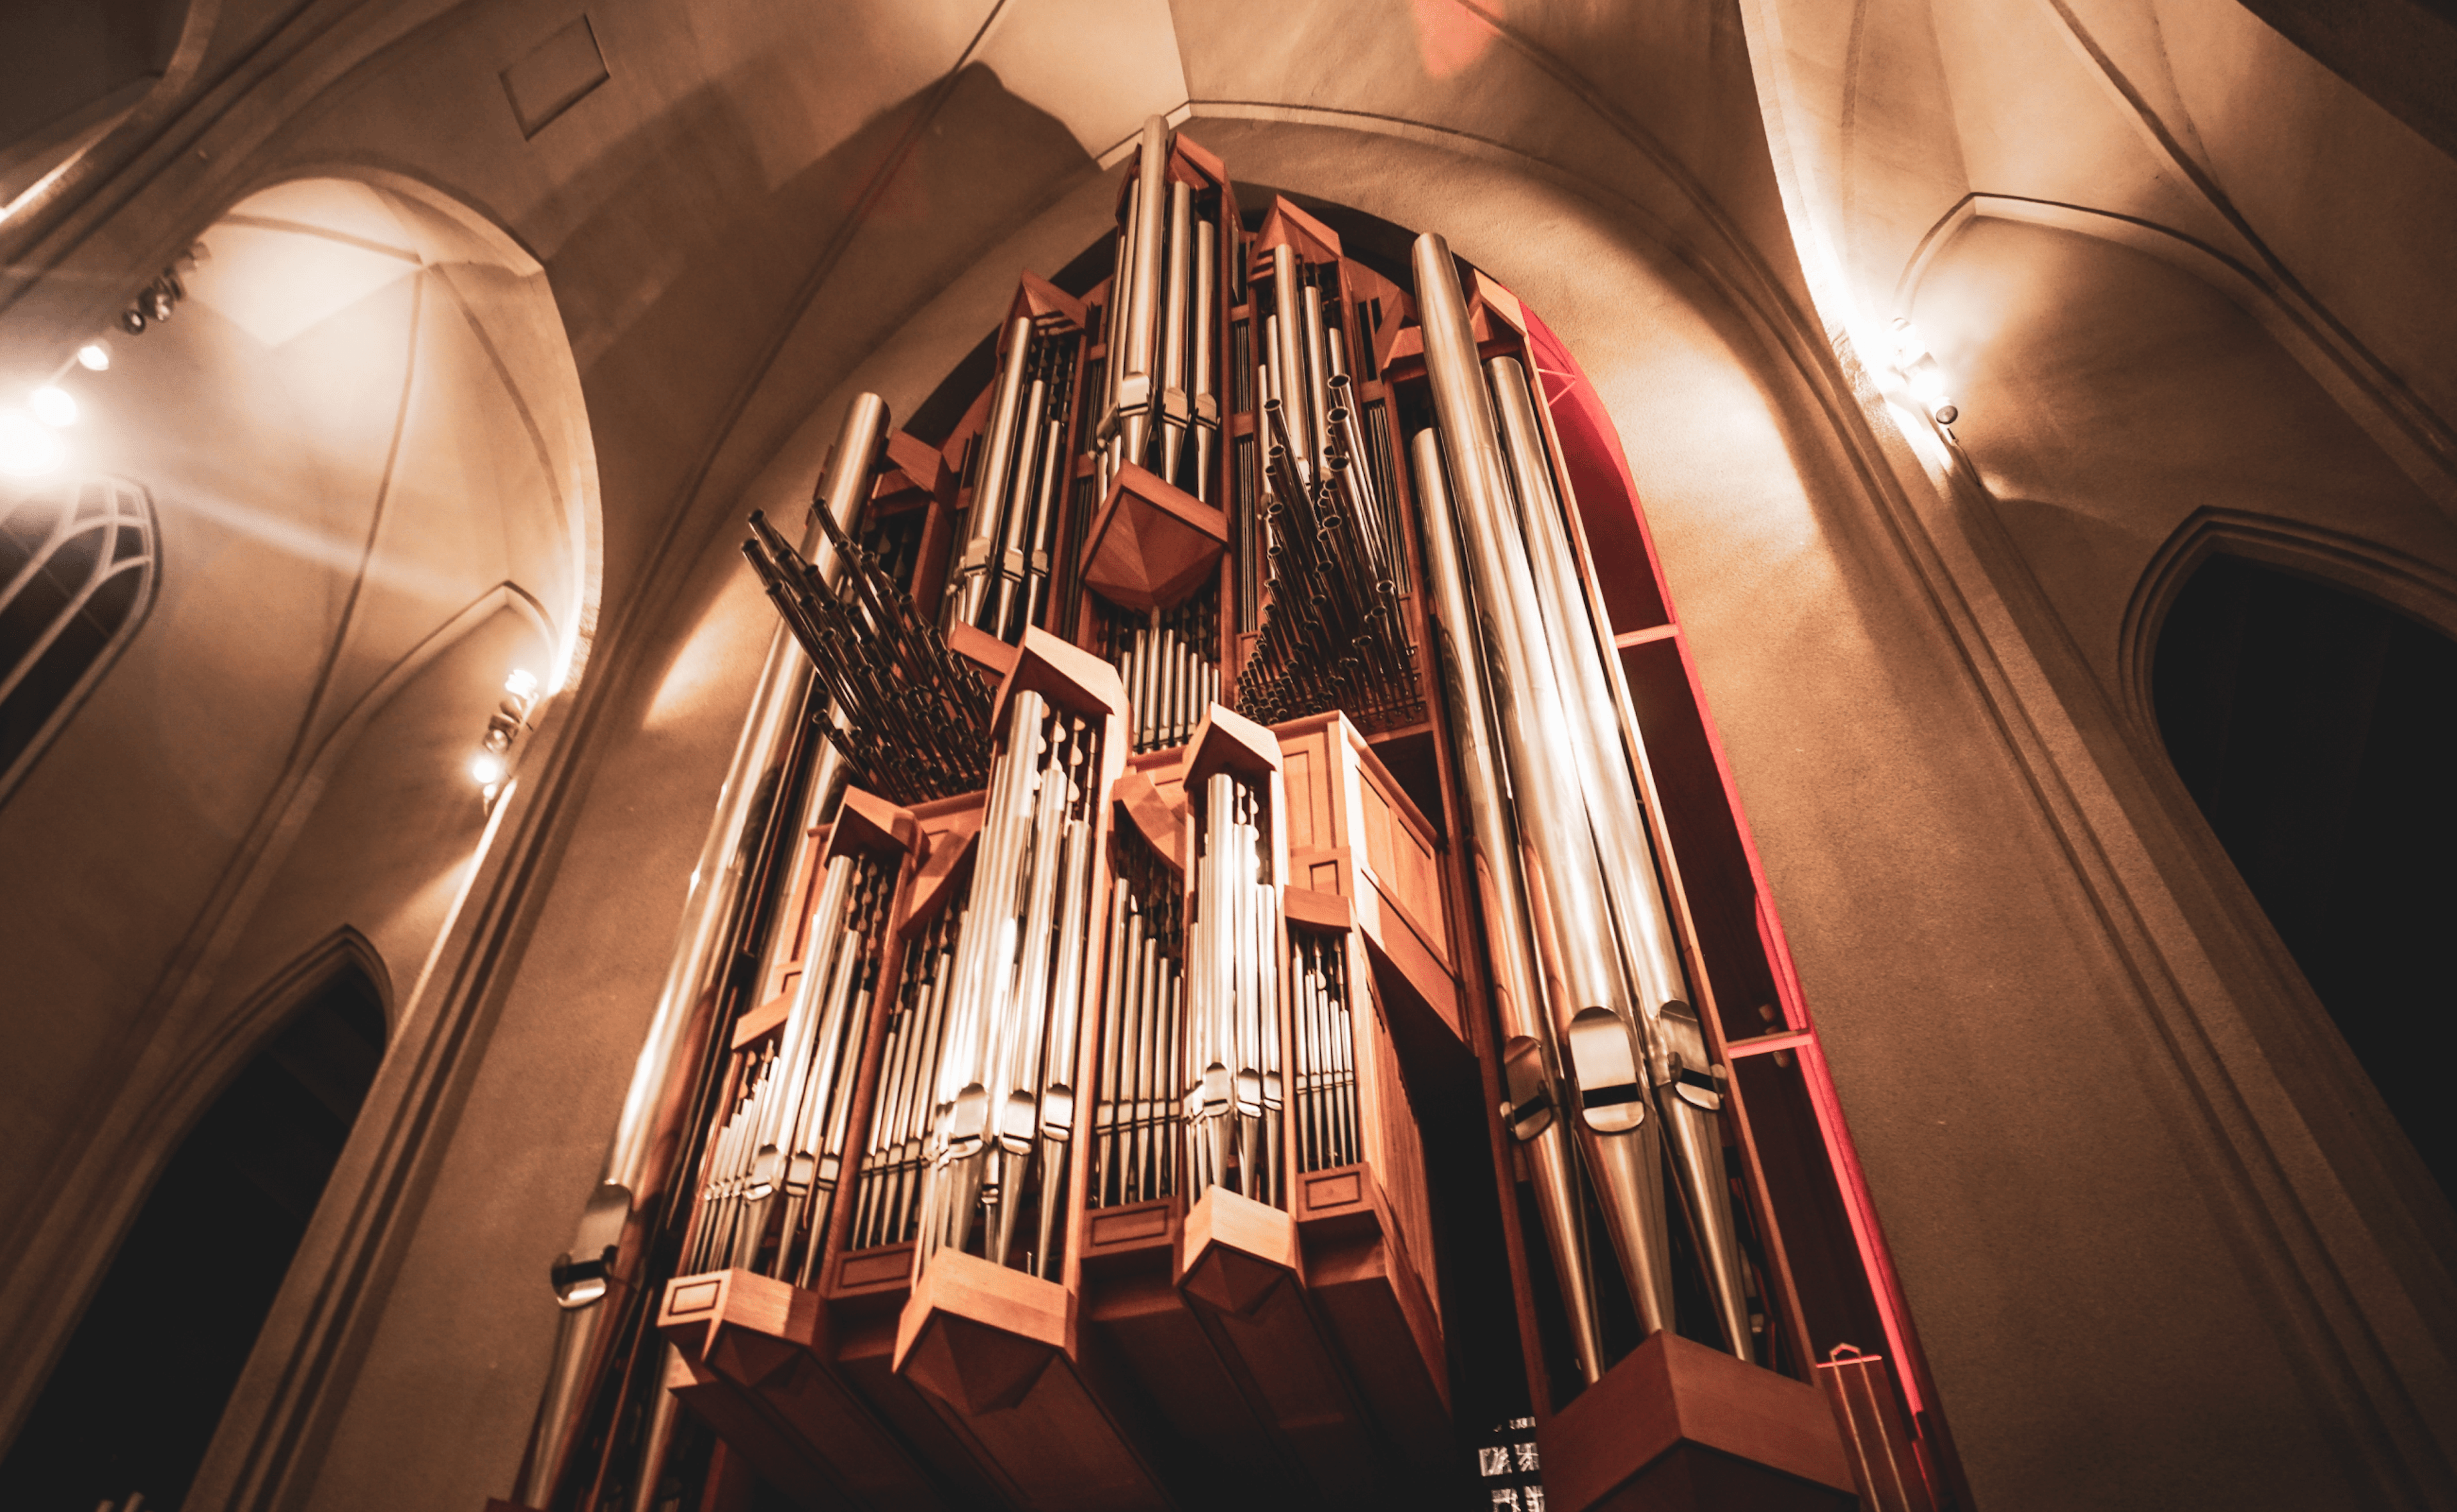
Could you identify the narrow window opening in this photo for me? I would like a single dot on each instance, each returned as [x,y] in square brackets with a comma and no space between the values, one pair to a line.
[2318,732]
[134,1402]
[76,571]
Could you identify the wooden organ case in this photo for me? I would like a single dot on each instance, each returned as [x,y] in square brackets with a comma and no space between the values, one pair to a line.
[1260,975]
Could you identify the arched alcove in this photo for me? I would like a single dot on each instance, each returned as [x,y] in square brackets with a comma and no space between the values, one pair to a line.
[2317,730]
[367,463]
[134,1401]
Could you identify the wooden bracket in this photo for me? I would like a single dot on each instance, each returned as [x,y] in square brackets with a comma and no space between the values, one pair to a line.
[1227,741]
[867,822]
[1152,543]
[1158,820]
[1676,1424]
[1069,677]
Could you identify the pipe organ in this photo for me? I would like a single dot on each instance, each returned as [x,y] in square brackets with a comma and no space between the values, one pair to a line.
[1250,970]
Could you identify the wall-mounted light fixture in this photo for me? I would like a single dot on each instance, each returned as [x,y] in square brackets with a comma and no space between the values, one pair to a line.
[154,302]
[1917,369]
[506,729]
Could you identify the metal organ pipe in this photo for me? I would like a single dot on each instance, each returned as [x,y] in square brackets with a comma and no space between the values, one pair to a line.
[990,490]
[1317,371]
[1688,1084]
[1206,310]
[1175,410]
[670,1060]
[1041,538]
[1023,494]
[1163,334]
[1288,355]
[1536,1104]
[1132,358]
[897,1148]
[1564,874]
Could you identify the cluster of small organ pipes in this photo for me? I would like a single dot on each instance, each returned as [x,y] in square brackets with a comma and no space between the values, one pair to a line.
[1002,1105]
[1168,661]
[779,1147]
[904,711]
[1082,976]
[1136,1122]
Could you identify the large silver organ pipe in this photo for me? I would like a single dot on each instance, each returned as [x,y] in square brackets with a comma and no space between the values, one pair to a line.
[1289,384]
[1135,302]
[1206,402]
[1535,1109]
[1163,333]
[1163,327]
[1688,1084]
[1000,465]
[605,1251]
[1564,874]
[1176,413]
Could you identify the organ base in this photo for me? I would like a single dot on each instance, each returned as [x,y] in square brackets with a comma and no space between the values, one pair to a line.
[1676,1426]
[999,1350]
[752,1360]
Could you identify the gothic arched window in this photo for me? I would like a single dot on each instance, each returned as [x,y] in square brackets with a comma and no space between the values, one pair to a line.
[76,572]
[2316,730]
[133,1402]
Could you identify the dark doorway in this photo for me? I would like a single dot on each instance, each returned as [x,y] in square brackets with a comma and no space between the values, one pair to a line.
[2318,732]
[134,1401]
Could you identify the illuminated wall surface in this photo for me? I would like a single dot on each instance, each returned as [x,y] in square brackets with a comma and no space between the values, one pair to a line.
[1999,477]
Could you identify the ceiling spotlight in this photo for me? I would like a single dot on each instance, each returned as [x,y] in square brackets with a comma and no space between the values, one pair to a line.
[487,768]
[28,448]
[520,684]
[53,406]
[93,357]
[156,303]
[132,320]
[1946,414]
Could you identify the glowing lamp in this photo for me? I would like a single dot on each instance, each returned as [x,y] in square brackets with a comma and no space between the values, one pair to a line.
[520,684]
[487,768]
[1908,349]
[53,406]
[93,357]
[28,448]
